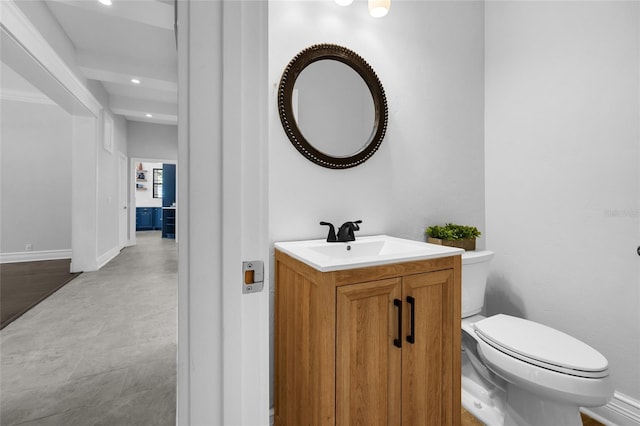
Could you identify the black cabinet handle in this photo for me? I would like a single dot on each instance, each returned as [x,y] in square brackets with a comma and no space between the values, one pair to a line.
[398,342]
[411,338]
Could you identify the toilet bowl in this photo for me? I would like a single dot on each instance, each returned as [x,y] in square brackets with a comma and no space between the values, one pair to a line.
[518,372]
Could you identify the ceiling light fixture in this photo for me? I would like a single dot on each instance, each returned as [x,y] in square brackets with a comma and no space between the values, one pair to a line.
[135,81]
[105,2]
[344,2]
[379,8]
[148,115]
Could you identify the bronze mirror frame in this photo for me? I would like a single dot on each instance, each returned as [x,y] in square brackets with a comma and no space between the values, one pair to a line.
[302,60]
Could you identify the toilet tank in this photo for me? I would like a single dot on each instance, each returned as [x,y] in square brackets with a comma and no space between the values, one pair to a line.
[475,268]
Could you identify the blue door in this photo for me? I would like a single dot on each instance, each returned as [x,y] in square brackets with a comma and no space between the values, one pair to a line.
[168,185]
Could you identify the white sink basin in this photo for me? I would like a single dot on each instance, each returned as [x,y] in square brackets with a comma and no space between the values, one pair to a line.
[365,251]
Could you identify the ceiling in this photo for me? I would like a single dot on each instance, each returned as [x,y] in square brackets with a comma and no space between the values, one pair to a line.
[131,39]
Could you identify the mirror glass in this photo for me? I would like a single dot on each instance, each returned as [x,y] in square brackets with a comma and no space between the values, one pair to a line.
[334,108]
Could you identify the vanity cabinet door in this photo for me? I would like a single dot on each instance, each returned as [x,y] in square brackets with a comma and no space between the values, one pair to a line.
[368,365]
[344,357]
[427,362]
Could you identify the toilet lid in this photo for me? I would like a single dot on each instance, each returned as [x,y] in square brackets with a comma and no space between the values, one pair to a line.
[541,345]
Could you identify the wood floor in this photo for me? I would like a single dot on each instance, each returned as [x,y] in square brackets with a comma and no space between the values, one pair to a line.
[25,284]
[469,420]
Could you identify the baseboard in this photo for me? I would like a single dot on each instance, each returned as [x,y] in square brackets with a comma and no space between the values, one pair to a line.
[107,257]
[33,256]
[622,410]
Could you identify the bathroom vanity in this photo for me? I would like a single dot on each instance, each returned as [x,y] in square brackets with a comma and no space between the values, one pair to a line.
[368,336]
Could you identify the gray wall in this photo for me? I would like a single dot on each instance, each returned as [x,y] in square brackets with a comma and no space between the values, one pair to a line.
[562,182]
[35,177]
[152,141]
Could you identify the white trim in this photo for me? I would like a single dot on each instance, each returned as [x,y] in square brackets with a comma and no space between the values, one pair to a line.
[131,202]
[183,361]
[33,256]
[27,97]
[107,128]
[107,257]
[18,26]
[622,410]
[153,160]
[123,185]
[244,175]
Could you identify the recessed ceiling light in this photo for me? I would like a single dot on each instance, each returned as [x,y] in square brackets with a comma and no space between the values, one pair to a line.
[148,115]
[105,2]
[135,81]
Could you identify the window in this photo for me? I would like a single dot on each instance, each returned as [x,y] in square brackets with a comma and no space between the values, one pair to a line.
[157,183]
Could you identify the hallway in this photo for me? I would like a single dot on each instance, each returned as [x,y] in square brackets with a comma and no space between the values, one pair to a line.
[101,350]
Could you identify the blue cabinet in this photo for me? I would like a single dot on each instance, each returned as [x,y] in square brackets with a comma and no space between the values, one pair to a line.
[169,223]
[148,218]
[157,218]
[144,218]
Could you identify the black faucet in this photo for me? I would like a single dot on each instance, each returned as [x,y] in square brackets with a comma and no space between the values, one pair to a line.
[345,232]
[331,237]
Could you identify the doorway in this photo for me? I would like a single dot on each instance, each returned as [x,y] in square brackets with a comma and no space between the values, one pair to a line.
[154,198]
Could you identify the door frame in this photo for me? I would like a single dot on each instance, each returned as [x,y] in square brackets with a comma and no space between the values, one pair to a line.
[223,334]
[132,191]
[123,198]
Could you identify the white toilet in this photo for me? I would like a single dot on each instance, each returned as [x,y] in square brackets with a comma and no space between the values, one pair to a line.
[518,372]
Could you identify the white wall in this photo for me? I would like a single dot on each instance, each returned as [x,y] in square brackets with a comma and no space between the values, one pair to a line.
[429,168]
[562,172]
[152,141]
[47,60]
[35,177]
[144,198]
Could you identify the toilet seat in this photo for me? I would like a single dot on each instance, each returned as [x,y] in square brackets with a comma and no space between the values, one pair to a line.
[541,346]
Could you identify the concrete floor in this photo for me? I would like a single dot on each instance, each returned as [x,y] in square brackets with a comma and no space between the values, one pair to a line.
[101,350]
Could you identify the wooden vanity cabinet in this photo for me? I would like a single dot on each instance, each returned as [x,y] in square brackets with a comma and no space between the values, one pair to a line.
[341,357]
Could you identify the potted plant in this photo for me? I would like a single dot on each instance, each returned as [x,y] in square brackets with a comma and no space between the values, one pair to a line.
[453,235]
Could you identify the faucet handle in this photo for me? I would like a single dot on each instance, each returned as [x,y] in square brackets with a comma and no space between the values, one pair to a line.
[331,237]
[346,231]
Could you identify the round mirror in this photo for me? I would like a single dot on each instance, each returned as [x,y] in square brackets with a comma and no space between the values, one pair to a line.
[332,106]
[332,92]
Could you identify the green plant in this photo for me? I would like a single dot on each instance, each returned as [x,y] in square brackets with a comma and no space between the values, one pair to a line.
[451,231]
